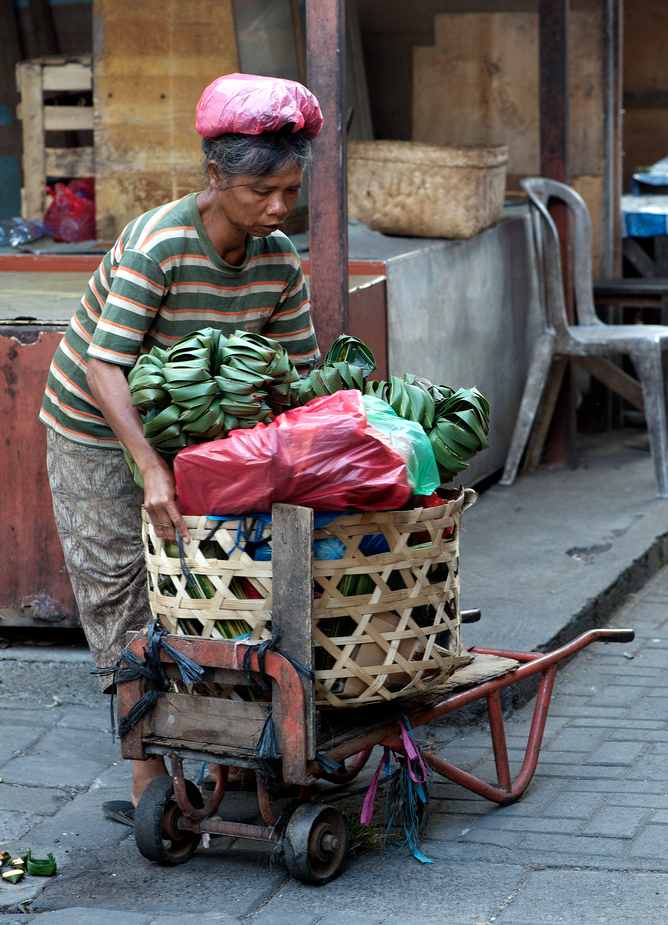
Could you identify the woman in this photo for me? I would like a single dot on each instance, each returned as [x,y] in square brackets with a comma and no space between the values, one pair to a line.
[211,259]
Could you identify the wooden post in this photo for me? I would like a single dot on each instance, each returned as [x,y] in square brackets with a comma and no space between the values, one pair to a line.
[553,20]
[292,603]
[29,81]
[328,188]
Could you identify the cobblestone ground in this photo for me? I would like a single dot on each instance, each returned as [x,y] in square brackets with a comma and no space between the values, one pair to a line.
[588,843]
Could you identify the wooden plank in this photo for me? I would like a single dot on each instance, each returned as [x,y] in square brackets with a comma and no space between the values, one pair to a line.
[368,321]
[586,99]
[196,751]
[68,118]
[145,94]
[473,86]
[591,190]
[56,262]
[70,162]
[328,193]
[68,76]
[478,84]
[639,258]
[661,255]
[292,597]
[355,267]
[229,723]
[620,288]
[646,99]
[615,379]
[545,413]
[29,82]
[50,263]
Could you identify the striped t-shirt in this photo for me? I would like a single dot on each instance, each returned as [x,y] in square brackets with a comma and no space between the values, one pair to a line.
[163,279]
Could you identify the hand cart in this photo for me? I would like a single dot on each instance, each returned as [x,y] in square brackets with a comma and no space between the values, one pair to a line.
[171,816]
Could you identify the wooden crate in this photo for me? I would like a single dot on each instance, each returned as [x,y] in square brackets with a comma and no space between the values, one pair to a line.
[34,78]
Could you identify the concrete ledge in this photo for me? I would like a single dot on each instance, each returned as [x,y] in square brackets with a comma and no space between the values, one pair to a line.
[46,654]
[559,551]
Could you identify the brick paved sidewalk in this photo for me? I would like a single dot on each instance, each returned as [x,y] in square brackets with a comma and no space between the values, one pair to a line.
[588,843]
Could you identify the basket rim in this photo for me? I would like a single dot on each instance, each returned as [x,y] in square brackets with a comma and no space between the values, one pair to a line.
[466,496]
[421,154]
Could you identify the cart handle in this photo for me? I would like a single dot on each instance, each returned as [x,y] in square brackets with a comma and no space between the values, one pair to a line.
[470,616]
[532,663]
[598,635]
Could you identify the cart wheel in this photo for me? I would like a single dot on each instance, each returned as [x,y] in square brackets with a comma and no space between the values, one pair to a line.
[315,843]
[156,823]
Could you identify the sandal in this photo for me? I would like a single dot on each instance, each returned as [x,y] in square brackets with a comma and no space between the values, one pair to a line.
[120,811]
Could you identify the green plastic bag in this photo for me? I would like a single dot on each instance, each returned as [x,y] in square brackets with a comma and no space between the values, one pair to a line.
[409,440]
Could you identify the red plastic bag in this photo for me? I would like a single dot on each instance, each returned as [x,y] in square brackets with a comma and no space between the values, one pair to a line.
[323,455]
[71,215]
[251,105]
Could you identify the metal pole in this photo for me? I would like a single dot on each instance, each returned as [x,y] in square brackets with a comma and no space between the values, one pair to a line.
[553,21]
[613,118]
[328,188]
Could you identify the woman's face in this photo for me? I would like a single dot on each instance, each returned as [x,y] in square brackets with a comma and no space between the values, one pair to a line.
[258,205]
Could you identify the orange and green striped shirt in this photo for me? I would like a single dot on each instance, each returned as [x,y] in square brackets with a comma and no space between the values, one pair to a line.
[163,279]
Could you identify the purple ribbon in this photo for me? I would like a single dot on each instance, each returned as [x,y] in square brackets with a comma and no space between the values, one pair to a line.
[369,799]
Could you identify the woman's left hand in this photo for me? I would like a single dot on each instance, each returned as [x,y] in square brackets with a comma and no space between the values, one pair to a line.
[160,502]
[110,389]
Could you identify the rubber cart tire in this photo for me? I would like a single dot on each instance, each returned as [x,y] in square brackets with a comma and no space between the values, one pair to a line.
[315,843]
[156,823]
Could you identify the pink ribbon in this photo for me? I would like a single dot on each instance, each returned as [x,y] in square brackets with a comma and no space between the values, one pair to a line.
[369,799]
[412,752]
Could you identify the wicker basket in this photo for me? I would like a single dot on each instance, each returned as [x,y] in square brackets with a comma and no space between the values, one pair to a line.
[396,636]
[432,191]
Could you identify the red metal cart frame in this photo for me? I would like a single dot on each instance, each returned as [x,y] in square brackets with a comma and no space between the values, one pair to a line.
[171,816]
[356,749]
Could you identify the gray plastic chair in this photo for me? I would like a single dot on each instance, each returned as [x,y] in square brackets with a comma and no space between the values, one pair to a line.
[589,338]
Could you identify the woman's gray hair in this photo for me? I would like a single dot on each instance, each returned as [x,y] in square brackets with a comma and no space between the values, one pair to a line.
[261,155]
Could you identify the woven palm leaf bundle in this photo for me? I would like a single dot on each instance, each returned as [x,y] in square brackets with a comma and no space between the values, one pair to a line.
[346,366]
[208,384]
[456,421]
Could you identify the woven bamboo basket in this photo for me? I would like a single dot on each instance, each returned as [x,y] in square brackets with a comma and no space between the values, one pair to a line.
[431,191]
[386,625]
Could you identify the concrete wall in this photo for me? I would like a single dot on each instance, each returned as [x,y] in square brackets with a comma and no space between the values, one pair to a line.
[466,313]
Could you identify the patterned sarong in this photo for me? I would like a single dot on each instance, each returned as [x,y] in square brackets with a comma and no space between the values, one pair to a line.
[97,508]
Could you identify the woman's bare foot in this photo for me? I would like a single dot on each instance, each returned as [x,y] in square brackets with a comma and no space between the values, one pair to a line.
[143,773]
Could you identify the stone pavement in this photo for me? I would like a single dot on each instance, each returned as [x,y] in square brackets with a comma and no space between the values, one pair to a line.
[588,843]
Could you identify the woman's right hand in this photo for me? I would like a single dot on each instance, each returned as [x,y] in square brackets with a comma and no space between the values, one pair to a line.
[160,502]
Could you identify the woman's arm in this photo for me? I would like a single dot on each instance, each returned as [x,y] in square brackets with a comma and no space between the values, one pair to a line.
[110,389]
